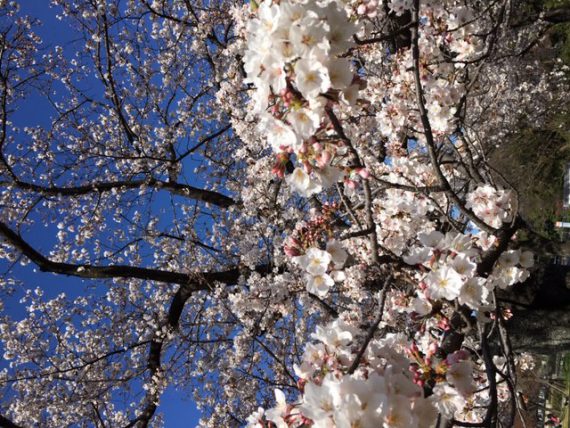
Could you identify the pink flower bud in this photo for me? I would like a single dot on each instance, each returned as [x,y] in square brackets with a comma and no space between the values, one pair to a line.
[361,10]
[324,159]
[350,183]
[291,251]
[364,173]
[457,356]
[443,324]
[432,349]
[278,170]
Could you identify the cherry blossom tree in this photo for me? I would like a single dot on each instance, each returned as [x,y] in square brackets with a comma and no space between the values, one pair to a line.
[284,206]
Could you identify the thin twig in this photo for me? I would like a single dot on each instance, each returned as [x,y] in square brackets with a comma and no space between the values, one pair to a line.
[372,330]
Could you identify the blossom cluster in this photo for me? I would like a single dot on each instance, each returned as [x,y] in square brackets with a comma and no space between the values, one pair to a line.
[381,392]
[316,262]
[322,267]
[294,59]
[386,388]
[294,95]
[448,39]
[452,263]
[491,205]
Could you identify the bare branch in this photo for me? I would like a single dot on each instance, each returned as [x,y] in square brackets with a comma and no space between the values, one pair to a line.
[185,190]
[112,271]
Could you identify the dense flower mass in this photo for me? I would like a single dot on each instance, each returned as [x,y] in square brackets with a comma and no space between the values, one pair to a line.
[306,92]
[294,60]
[293,209]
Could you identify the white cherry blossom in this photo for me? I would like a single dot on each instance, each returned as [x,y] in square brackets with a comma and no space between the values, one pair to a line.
[311,77]
[315,261]
[444,282]
[319,284]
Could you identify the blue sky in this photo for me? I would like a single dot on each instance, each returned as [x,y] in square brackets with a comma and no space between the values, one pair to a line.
[178,411]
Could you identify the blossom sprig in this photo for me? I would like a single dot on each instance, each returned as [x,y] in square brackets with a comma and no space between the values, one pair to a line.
[313,233]
[304,249]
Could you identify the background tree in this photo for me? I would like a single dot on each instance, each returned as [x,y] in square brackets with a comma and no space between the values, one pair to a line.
[535,160]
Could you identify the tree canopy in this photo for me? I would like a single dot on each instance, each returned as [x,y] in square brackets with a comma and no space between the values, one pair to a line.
[304,212]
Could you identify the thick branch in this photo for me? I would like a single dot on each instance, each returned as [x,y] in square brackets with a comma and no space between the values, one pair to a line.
[7,423]
[112,271]
[208,196]
[557,16]
[491,415]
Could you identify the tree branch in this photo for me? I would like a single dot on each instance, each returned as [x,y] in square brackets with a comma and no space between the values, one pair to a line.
[7,423]
[430,142]
[556,16]
[112,271]
[185,190]
[372,330]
